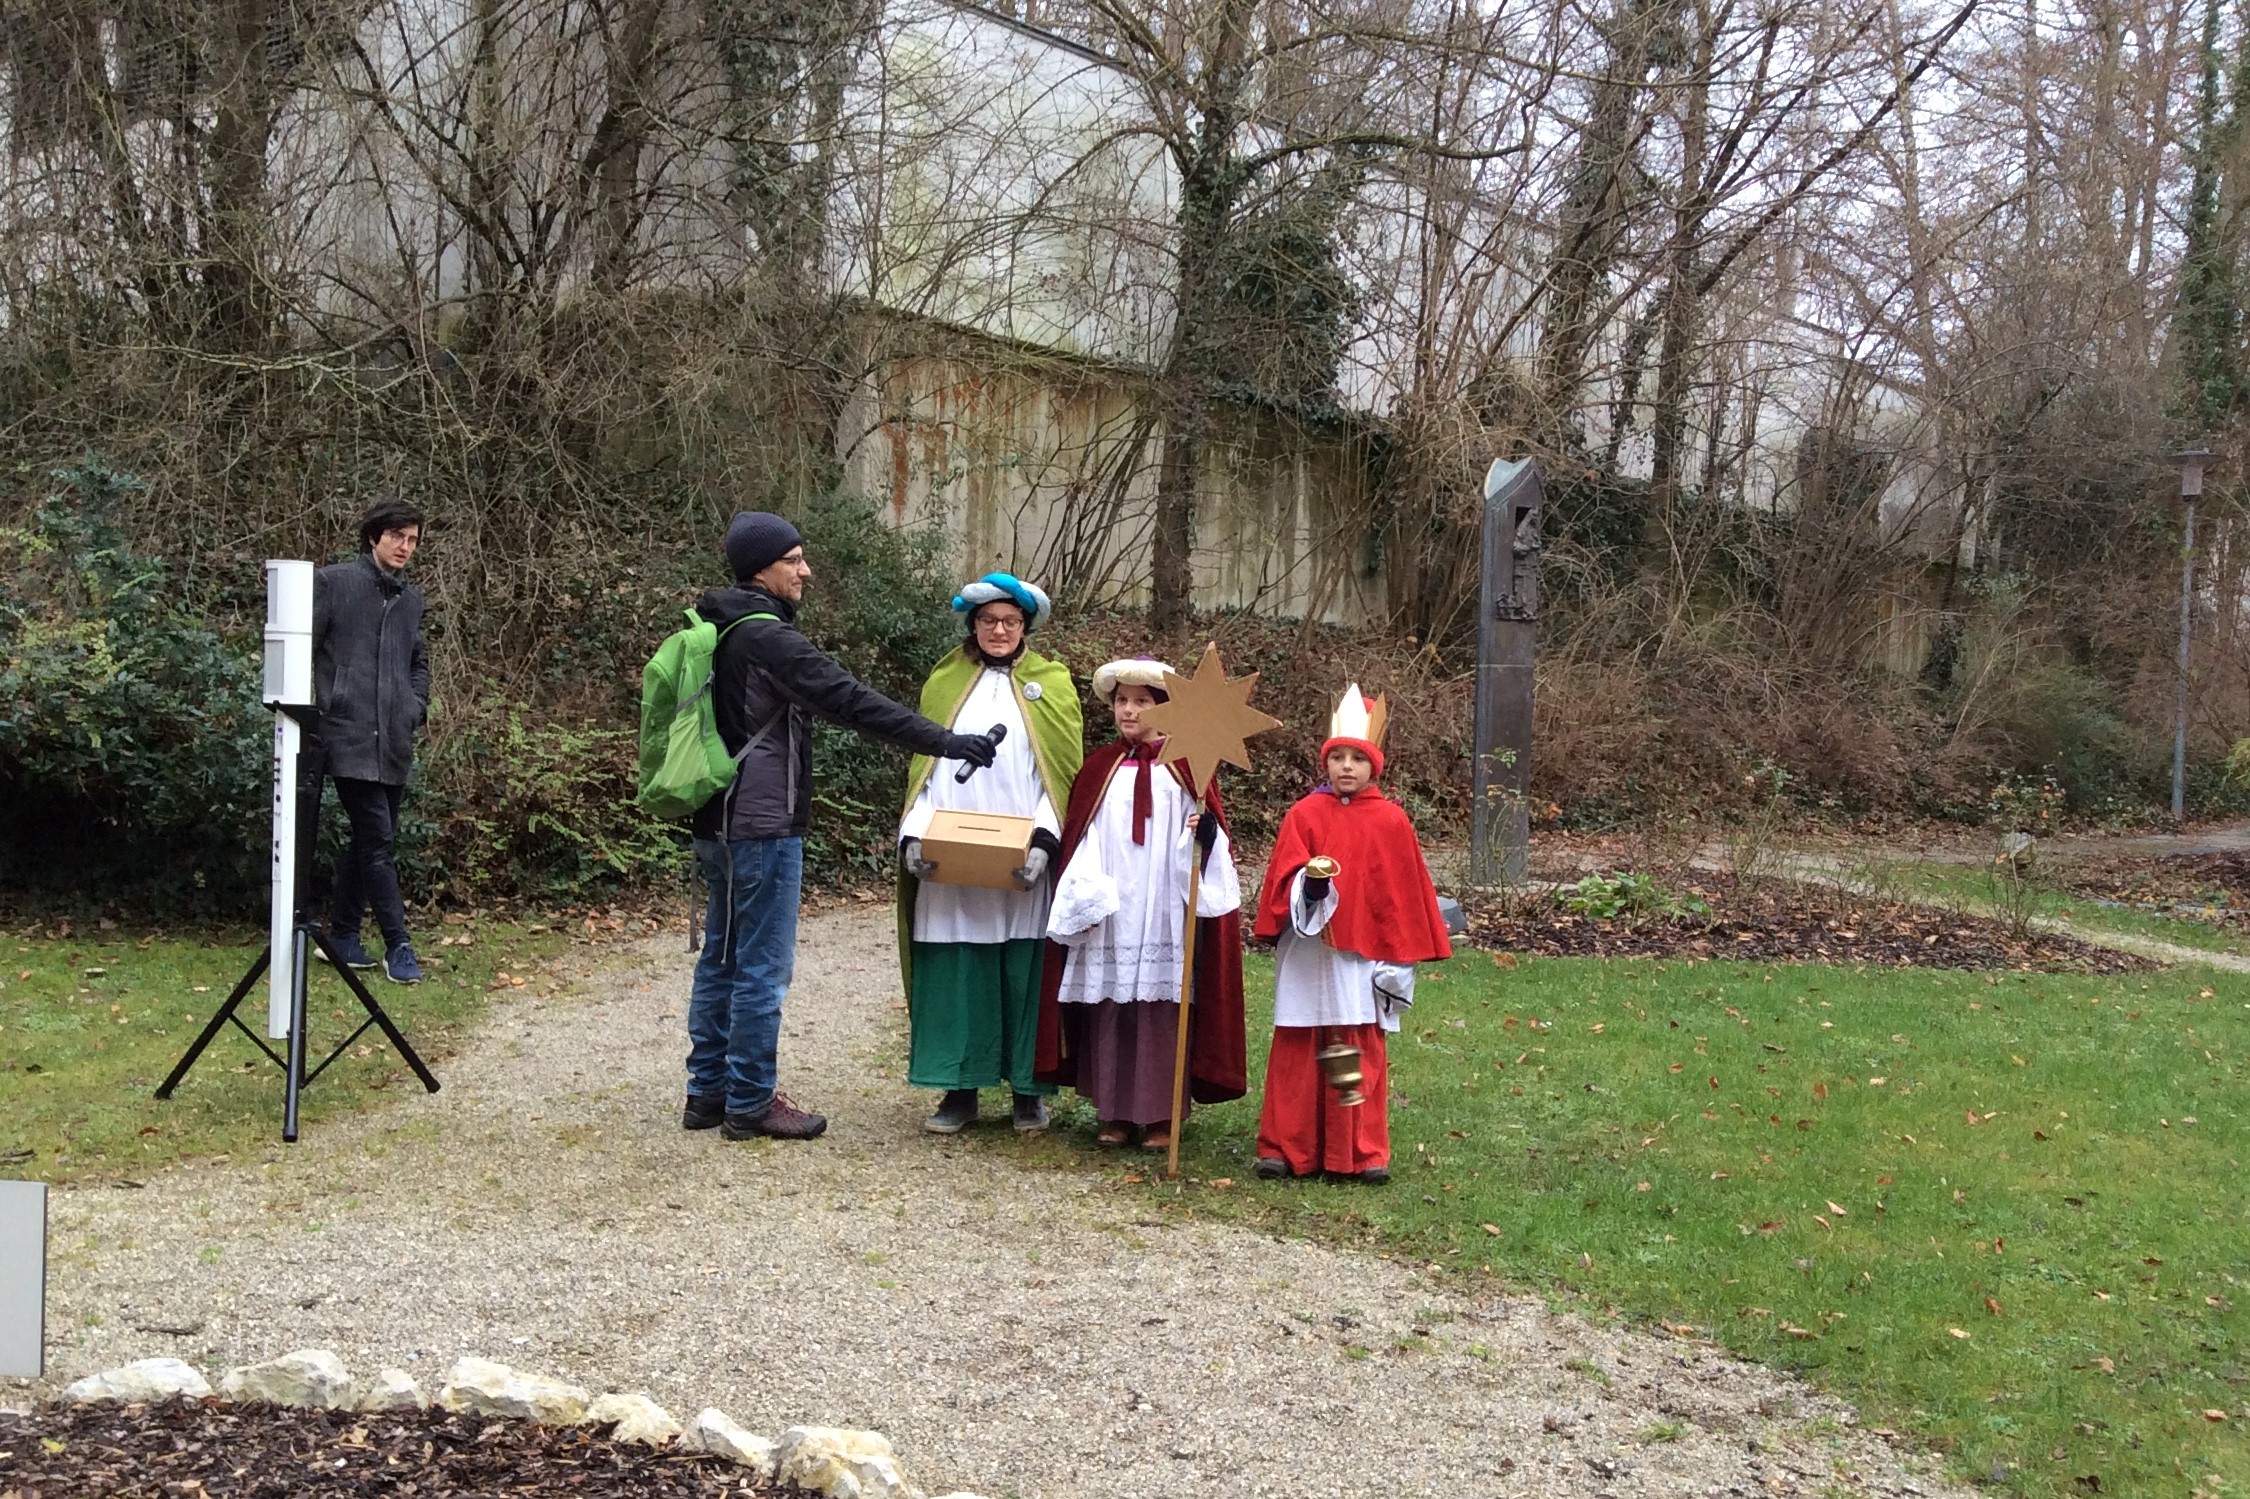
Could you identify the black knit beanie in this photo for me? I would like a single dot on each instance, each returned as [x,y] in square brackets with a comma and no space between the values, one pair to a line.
[756,539]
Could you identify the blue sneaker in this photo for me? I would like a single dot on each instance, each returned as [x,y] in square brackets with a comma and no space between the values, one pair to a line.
[349,948]
[399,965]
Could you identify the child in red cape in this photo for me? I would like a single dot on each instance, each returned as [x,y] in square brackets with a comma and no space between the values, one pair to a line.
[1349,903]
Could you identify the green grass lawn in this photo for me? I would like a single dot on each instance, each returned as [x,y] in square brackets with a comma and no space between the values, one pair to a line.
[1973,889]
[90,1025]
[2007,1215]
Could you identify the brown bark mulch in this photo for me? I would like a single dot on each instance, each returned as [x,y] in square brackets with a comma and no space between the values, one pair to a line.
[1786,923]
[206,1449]
[2200,887]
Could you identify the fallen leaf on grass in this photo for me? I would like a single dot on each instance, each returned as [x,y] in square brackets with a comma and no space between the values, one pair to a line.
[1820,1092]
[1909,1139]
[1823,1222]
[1720,1176]
[2038,1134]
[1491,1228]
[1805,1333]
[1838,1211]
[2106,1365]
[2101,1295]
[1992,1306]
[1221,1181]
[2214,1415]
[1958,1332]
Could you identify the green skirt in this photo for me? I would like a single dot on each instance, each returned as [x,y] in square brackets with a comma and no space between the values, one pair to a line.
[974,1015]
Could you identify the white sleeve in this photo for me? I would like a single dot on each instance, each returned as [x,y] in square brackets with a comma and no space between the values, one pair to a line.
[1044,815]
[1309,919]
[1394,985]
[917,819]
[1085,897]
[1220,889]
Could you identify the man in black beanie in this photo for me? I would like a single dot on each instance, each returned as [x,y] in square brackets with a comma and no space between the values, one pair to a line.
[767,681]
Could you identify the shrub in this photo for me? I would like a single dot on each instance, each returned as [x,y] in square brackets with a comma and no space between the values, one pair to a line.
[133,748]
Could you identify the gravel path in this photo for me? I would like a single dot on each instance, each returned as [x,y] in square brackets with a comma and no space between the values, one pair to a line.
[1014,1331]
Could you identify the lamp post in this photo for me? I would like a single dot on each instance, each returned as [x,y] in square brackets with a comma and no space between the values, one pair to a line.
[2191,461]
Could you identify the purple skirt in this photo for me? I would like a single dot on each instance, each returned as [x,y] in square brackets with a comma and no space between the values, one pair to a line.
[1126,1058]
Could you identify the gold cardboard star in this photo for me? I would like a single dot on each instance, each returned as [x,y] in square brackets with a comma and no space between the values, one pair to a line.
[1207,720]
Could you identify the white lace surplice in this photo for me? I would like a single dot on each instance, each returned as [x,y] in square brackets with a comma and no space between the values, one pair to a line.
[1315,984]
[1010,785]
[1119,907]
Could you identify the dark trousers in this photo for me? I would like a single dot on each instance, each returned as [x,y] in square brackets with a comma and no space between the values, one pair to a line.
[367,875]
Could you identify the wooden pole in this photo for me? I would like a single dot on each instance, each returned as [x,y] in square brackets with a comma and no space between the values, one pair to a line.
[1187,994]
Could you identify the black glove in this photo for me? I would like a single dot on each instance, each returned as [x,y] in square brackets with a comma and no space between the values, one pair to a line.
[1206,836]
[1316,889]
[910,854]
[978,749]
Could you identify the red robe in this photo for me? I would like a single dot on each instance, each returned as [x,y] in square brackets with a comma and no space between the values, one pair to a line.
[1218,1067]
[1388,908]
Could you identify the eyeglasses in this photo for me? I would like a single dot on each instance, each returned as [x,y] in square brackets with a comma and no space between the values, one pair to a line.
[1002,622]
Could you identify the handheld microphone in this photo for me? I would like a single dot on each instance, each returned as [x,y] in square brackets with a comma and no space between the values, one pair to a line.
[996,733]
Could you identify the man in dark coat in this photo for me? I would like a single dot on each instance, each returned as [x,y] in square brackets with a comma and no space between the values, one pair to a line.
[371,673]
[767,682]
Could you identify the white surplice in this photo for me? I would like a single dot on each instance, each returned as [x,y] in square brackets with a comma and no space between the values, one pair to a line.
[1120,905]
[1315,984]
[1009,785]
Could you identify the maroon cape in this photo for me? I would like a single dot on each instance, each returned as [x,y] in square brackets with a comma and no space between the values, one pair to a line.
[1217,1066]
[1389,910]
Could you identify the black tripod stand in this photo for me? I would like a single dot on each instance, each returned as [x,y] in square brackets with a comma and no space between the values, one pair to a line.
[304,933]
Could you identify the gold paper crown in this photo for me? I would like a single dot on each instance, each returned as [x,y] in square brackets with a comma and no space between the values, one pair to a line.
[1356,718]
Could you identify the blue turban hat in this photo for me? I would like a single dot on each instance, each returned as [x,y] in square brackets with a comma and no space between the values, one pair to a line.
[996,587]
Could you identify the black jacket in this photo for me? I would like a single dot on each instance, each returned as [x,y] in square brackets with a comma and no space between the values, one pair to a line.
[768,676]
[371,670]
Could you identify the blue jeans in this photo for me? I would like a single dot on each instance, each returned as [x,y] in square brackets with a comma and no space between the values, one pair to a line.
[749,955]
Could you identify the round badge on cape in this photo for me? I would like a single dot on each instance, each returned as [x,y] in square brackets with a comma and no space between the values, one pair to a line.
[1032,692]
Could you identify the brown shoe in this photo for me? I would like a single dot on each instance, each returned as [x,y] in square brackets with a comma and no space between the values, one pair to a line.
[1157,1136]
[782,1120]
[1115,1132]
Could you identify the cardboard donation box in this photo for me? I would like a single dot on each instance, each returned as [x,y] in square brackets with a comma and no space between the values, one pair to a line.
[977,848]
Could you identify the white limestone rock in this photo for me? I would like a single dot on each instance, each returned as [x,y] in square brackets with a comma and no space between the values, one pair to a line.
[636,1417]
[484,1388]
[841,1464]
[312,1378]
[394,1390]
[143,1379]
[714,1431]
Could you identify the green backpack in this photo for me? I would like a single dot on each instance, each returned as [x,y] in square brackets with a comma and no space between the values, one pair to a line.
[684,762]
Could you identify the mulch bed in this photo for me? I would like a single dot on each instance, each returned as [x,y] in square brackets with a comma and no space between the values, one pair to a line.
[2202,887]
[1784,923]
[190,1449]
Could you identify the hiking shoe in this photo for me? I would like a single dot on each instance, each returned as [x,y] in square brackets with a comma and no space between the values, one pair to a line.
[782,1120]
[1269,1168]
[704,1111]
[349,948]
[399,965]
[955,1112]
[1031,1113]
[1376,1176]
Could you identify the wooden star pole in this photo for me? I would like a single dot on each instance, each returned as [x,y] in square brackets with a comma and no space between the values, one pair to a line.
[1205,722]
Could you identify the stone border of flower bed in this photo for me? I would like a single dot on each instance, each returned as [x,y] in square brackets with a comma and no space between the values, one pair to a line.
[830,1460]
